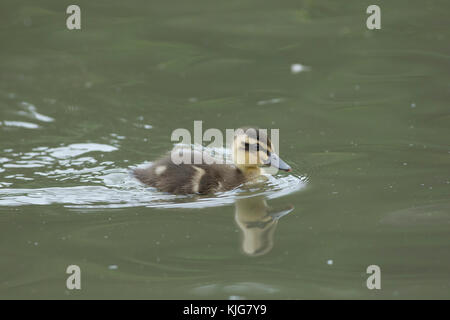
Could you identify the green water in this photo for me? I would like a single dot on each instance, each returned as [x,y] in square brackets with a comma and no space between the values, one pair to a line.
[365,124]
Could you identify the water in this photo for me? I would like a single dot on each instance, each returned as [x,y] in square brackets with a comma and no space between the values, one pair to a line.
[363,118]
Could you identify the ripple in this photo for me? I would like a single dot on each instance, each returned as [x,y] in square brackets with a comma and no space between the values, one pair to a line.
[32,112]
[235,290]
[109,186]
[79,149]
[121,190]
[20,124]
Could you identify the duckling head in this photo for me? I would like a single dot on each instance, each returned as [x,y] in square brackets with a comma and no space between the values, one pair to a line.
[252,149]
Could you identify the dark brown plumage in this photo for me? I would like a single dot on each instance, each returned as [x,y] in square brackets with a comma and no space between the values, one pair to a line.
[190,178]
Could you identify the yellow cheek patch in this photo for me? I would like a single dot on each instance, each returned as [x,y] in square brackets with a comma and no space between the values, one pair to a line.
[251,141]
[251,157]
[263,156]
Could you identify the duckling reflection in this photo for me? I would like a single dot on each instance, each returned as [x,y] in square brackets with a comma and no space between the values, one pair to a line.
[257,222]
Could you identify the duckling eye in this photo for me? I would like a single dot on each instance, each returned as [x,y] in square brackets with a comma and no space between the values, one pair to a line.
[248,145]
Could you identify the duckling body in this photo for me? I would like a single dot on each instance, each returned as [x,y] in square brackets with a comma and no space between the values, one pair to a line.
[190,178]
[251,150]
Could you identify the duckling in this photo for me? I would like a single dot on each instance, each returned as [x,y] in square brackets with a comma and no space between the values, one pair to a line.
[252,149]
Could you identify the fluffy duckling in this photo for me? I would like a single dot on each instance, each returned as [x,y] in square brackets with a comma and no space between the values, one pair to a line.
[252,149]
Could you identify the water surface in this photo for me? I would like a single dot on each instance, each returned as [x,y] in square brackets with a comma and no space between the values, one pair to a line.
[363,118]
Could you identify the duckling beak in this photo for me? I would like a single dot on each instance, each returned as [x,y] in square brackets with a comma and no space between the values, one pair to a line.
[275,161]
